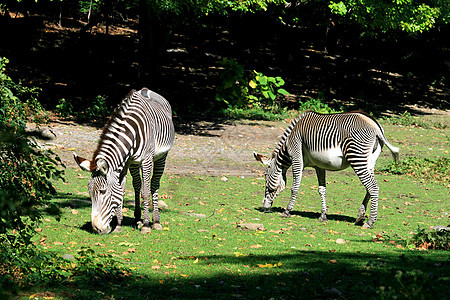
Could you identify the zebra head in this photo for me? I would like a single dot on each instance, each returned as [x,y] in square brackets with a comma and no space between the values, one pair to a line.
[106,188]
[275,180]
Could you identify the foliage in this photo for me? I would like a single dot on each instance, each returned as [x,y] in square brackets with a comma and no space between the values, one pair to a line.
[258,113]
[232,89]
[406,119]
[64,108]
[425,239]
[429,169]
[97,112]
[18,102]
[269,87]
[23,265]
[319,106]
[406,15]
[25,170]
[262,101]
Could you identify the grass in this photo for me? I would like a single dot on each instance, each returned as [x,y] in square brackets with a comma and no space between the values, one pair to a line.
[201,253]
[198,257]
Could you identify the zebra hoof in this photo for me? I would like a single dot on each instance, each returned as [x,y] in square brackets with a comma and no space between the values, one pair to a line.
[285,214]
[366,226]
[360,220]
[118,229]
[145,230]
[323,219]
[157,226]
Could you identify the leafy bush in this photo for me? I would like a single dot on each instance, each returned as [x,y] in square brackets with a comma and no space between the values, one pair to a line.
[262,101]
[97,112]
[25,170]
[424,239]
[232,89]
[23,264]
[318,106]
[18,102]
[270,88]
[64,108]
[430,169]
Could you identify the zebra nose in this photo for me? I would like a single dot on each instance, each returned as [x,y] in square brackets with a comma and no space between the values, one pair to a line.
[97,226]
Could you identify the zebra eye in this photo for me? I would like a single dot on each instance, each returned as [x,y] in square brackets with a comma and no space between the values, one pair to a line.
[102,191]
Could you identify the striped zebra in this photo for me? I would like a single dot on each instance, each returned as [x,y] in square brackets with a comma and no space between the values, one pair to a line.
[327,142]
[137,137]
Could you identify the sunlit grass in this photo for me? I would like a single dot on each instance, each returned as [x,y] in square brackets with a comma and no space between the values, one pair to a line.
[201,250]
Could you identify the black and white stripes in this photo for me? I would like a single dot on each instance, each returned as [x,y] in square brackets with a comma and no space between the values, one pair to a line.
[327,142]
[138,136]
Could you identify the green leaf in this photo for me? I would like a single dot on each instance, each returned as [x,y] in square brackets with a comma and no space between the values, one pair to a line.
[283,92]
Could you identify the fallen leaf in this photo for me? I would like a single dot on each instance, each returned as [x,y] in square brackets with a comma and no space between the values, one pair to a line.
[333,261]
[156,267]
[58,243]
[255,246]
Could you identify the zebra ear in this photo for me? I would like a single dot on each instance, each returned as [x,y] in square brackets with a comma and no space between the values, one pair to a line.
[264,159]
[85,164]
[102,166]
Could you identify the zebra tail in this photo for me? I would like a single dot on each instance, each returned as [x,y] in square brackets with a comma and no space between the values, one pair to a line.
[395,151]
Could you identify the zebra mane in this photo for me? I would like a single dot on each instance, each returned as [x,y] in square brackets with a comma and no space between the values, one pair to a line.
[287,133]
[116,114]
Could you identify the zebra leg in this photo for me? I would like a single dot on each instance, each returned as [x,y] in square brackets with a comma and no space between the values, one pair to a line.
[119,213]
[158,170]
[368,180]
[145,191]
[119,216]
[137,184]
[297,171]
[322,192]
[362,210]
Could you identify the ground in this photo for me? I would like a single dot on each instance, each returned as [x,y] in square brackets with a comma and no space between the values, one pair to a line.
[200,147]
[212,148]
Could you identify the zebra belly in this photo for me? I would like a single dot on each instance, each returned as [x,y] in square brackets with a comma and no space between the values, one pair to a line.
[332,159]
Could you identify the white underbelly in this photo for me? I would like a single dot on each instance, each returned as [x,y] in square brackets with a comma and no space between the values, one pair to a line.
[160,151]
[332,159]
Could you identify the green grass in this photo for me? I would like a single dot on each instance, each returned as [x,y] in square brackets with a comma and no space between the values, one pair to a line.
[209,257]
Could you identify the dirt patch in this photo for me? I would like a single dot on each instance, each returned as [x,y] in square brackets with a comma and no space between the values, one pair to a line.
[222,148]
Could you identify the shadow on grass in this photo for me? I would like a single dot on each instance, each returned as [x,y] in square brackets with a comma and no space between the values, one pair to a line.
[309,214]
[295,274]
[71,200]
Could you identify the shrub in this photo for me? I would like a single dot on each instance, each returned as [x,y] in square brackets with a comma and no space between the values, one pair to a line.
[425,239]
[430,169]
[25,170]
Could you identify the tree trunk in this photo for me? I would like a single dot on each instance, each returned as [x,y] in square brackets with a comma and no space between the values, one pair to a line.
[153,38]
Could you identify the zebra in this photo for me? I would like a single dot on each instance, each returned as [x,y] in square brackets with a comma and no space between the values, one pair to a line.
[137,137]
[327,142]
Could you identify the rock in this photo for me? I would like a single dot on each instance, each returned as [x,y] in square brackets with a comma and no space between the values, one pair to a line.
[68,257]
[195,215]
[251,226]
[340,241]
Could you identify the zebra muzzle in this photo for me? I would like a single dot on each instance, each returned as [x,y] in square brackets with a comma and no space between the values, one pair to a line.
[97,226]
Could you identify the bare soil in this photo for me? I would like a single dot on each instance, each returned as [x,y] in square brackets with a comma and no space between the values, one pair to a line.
[212,148]
[200,147]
